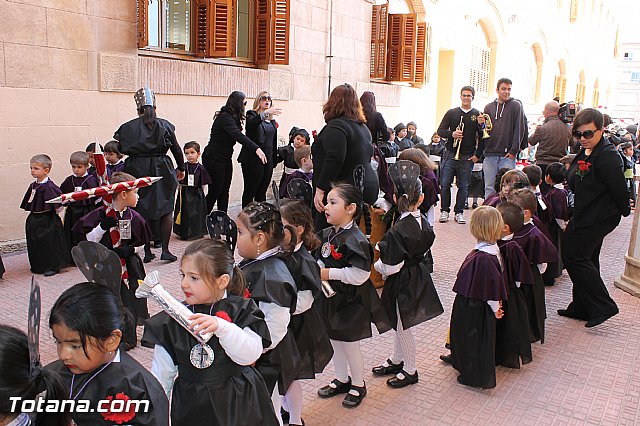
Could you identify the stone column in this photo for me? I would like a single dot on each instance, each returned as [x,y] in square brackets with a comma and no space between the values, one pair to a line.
[629,281]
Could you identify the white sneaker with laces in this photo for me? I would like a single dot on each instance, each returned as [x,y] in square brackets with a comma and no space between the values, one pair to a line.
[444,216]
[460,218]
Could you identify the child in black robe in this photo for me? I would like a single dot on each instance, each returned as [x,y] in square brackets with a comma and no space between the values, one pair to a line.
[79,180]
[228,390]
[428,180]
[543,211]
[113,158]
[46,246]
[558,202]
[480,288]
[302,157]
[297,138]
[134,232]
[87,322]
[539,251]
[346,257]
[512,333]
[409,296]
[271,286]
[189,217]
[306,324]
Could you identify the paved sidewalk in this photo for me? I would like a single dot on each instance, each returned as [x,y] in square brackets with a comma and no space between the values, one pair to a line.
[579,376]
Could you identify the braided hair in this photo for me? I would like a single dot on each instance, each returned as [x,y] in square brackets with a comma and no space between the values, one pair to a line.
[350,194]
[297,213]
[265,217]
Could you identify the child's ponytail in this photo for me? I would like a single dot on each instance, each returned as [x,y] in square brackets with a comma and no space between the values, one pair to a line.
[237,283]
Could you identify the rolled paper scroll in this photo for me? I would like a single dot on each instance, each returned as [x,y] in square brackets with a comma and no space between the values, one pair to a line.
[152,289]
[326,287]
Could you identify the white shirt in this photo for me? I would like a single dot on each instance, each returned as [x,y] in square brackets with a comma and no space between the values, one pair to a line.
[305,297]
[350,275]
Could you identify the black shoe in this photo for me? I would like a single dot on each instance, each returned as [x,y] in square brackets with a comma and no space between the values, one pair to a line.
[157,244]
[334,388]
[148,257]
[381,370]
[352,401]
[406,380]
[597,321]
[446,359]
[51,273]
[447,345]
[474,206]
[466,206]
[570,314]
[284,414]
[168,256]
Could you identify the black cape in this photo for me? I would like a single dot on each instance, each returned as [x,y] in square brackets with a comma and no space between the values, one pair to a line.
[224,393]
[147,156]
[189,218]
[46,244]
[268,280]
[412,288]
[126,376]
[512,331]
[348,315]
[308,329]
[473,323]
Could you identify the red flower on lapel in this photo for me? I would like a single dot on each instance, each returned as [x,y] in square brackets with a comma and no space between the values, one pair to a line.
[246,294]
[225,316]
[335,254]
[584,167]
[119,417]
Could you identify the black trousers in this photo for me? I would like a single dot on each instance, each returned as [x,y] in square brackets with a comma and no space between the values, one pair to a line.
[221,173]
[257,177]
[581,256]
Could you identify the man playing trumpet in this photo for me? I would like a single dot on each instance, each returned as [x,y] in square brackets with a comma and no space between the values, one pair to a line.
[464,148]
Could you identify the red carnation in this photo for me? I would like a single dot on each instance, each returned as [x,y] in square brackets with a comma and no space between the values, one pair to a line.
[246,294]
[120,417]
[225,316]
[314,133]
[335,254]
[583,168]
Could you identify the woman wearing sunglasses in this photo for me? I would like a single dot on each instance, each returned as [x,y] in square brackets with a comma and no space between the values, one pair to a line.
[216,159]
[596,178]
[262,129]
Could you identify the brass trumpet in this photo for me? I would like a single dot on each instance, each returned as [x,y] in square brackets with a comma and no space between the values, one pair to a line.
[486,126]
[457,142]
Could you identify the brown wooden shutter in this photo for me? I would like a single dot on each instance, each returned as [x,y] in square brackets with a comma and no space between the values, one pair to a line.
[201,28]
[222,28]
[421,54]
[142,7]
[401,47]
[378,40]
[427,72]
[272,31]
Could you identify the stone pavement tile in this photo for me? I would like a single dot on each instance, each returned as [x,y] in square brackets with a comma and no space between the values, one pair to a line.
[578,376]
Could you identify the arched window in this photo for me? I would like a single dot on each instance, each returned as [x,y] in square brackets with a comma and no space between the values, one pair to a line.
[560,83]
[480,61]
[535,73]
[595,100]
[580,89]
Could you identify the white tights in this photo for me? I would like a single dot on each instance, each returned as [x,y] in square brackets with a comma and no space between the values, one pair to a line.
[347,355]
[404,348]
[292,402]
[276,400]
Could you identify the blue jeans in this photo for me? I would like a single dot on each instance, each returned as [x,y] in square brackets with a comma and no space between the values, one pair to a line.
[490,167]
[462,170]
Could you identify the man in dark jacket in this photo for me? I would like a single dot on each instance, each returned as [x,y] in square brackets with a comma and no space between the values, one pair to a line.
[552,137]
[503,145]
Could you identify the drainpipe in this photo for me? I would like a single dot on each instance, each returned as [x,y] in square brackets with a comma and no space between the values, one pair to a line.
[330,44]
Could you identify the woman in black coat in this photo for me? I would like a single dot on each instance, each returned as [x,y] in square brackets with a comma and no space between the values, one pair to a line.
[216,159]
[146,141]
[262,129]
[343,144]
[596,178]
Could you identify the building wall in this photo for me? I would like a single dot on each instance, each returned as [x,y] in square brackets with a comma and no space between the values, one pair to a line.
[68,69]
[627,88]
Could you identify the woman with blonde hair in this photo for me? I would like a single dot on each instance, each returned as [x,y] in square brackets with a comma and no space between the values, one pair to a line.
[262,129]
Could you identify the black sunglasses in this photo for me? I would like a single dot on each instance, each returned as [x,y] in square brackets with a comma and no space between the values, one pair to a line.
[244,103]
[265,98]
[587,134]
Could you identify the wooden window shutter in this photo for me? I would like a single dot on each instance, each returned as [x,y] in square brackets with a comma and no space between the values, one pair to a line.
[214,30]
[401,47]
[272,32]
[421,54]
[427,71]
[563,89]
[556,86]
[142,7]
[378,40]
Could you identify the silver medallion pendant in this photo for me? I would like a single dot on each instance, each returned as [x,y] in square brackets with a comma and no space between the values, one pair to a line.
[201,356]
[326,250]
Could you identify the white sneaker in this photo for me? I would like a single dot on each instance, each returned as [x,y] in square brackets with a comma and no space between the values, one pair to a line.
[444,216]
[460,218]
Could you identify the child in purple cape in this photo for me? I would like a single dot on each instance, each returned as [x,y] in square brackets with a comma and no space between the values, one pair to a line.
[540,251]
[558,201]
[480,289]
[46,245]
[429,180]
[512,340]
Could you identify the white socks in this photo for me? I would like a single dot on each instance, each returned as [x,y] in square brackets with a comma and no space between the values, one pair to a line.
[348,356]
[292,402]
